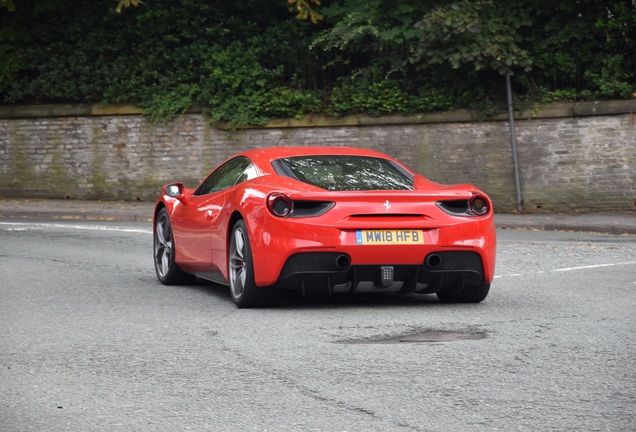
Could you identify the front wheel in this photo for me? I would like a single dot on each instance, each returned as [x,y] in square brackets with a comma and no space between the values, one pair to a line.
[168,272]
[243,289]
[469,294]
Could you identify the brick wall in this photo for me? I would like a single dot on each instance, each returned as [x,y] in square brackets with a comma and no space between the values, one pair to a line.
[571,157]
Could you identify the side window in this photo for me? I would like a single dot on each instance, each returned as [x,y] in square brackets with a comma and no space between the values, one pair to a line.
[224,176]
[249,173]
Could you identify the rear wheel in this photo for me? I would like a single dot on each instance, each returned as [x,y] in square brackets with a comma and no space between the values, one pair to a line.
[469,294]
[168,272]
[243,289]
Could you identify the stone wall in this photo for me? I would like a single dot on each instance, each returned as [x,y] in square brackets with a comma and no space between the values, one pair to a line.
[578,157]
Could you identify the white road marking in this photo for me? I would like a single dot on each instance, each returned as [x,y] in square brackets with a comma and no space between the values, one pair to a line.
[568,269]
[25,226]
[595,266]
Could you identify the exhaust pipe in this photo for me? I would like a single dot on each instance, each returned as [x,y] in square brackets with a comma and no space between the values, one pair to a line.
[343,262]
[433,261]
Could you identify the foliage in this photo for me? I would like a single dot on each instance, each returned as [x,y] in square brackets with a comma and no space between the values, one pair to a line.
[8,4]
[162,106]
[250,61]
[305,10]
[123,4]
[374,96]
[474,33]
[239,89]
[611,81]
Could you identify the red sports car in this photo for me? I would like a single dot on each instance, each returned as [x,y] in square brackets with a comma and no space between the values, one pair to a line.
[325,219]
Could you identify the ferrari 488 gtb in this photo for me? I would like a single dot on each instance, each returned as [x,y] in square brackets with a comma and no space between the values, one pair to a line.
[325,220]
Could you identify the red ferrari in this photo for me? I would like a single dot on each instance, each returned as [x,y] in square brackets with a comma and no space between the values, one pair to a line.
[325,220]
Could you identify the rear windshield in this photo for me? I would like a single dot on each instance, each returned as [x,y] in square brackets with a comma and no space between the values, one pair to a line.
[346,173]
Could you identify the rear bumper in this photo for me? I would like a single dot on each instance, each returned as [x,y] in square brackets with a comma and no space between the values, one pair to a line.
[332,272]
[277,242]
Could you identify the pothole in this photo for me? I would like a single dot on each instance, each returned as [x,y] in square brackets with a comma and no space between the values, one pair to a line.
[428,336]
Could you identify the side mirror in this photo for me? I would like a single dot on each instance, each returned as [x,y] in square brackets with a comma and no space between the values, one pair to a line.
[174,190]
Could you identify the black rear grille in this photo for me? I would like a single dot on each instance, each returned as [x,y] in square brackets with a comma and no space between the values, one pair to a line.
[321,272]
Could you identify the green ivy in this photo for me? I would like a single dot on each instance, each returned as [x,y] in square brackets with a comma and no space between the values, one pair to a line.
[375,97]
[611,81]
[166,104]
[251,61]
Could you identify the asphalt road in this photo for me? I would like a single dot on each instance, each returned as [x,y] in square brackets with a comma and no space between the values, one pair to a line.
[90,341]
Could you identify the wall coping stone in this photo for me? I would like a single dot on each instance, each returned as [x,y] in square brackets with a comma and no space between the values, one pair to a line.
[554,110]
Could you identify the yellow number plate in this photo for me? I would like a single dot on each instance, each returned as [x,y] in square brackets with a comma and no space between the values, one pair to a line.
[389,237]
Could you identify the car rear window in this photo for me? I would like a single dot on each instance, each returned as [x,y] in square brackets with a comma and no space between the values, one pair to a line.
[346,173]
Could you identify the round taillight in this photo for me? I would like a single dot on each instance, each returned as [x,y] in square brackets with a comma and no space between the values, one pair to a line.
[279,204]
[479,205]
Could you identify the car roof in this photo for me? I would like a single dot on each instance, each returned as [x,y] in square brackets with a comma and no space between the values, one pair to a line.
[268,154]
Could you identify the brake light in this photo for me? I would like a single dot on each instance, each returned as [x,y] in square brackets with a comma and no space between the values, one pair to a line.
[279,204]
[479,205]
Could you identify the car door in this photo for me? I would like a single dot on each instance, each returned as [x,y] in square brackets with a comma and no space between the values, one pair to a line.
[198,217]
[219,231]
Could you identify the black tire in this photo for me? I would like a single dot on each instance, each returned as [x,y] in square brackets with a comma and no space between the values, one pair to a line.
[168,272]
[243,289]
[469,294]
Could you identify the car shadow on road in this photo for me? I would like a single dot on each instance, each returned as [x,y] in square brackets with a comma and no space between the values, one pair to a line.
[292,300]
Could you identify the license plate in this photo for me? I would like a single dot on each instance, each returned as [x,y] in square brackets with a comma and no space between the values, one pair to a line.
[389,237]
